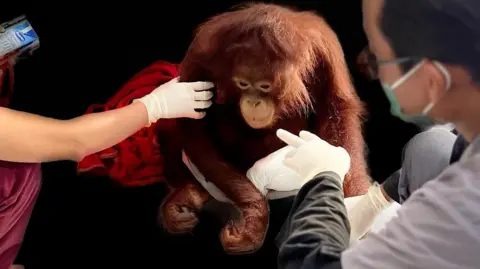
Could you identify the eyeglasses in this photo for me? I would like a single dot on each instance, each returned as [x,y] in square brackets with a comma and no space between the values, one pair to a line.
[370,65]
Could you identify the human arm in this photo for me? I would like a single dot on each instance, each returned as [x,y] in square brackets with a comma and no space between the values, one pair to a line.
[316,231]
[25,137]
[437,227]
[438,219]
[270,173]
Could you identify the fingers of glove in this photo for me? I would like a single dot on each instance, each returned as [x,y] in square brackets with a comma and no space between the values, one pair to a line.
[281,153]
[290,138]
[200,85]
[291,163]
[202,104]
[202,95]
[198,115]
[291,153]
[307,136]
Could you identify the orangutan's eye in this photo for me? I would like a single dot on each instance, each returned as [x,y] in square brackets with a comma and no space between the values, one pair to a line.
[263,86]
[242,83]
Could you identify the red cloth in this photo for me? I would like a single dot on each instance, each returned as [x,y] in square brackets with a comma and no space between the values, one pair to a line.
[7,62]
[137,160]
[6,82]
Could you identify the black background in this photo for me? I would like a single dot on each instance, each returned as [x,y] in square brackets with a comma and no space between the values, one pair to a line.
[86,53]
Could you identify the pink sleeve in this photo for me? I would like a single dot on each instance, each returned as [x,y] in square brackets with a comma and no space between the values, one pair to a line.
[19,188]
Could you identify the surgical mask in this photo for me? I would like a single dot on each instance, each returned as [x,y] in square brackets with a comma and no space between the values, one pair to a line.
[421,120]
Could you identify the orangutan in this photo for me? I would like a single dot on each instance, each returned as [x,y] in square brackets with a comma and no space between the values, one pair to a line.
[273,68]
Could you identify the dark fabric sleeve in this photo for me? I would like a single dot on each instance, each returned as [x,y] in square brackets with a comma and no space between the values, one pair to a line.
[390,186]
[317,230]
[458,148]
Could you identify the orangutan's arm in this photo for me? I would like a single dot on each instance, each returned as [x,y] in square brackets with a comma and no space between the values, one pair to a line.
[357,180]
[347,133]
[198,147]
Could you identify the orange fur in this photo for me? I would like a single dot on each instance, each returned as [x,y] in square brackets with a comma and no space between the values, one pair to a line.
[300,54]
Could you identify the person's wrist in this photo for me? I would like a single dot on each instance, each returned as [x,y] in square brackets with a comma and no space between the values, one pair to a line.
[148,103]
[378,199]
[143,112]
[384,193]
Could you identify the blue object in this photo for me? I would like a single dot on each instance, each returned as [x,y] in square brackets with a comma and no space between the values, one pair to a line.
[17,35]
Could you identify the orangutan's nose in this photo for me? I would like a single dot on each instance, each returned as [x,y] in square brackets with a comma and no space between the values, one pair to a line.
[254,102]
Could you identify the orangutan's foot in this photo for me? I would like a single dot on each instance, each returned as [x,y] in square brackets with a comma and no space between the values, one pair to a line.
[246,236]
[178,212]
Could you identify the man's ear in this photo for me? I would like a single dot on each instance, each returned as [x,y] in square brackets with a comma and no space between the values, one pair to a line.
[436,81]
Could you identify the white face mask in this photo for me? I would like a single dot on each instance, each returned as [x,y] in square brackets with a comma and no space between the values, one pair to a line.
[422,120]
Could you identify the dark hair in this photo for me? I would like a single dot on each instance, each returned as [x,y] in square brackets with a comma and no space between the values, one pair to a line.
[444,30]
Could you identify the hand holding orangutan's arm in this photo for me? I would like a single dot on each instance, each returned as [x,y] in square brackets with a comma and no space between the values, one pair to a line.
[26,137]
[312,155]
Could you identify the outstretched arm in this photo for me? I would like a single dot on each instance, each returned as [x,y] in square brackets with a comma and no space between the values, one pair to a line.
[26,137]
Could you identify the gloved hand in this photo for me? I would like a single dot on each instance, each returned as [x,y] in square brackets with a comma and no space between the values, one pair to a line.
[365,210]
[312,155]
[178,100]
[270,173]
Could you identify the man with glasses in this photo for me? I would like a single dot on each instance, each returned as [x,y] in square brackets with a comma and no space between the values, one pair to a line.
[428,58]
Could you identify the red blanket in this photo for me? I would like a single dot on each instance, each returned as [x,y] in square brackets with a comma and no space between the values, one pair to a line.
[6,82]
[137,160]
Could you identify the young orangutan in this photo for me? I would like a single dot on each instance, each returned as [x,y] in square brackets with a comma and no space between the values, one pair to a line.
[273,68]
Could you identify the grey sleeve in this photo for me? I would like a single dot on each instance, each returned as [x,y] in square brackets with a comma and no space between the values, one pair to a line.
[317,230]
[437,227]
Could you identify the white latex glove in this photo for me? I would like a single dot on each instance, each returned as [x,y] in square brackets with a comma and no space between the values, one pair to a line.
[312,155]
[178,100]
[270,173]
[364,212]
